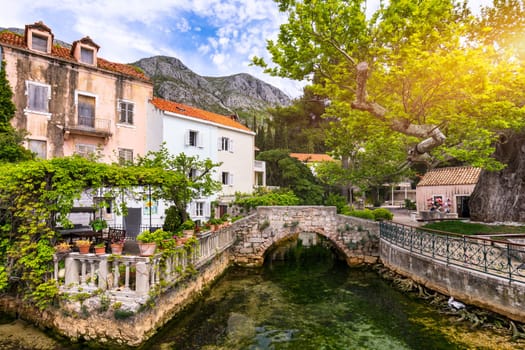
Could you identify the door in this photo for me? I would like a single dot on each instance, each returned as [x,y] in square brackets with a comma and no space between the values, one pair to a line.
[132,222]
[462,206]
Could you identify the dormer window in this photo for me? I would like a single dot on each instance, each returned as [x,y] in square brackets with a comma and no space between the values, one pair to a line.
[38,37]
[85,51]
[87,55]
[39,42]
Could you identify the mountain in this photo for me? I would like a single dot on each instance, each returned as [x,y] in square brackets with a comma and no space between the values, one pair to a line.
[240,94]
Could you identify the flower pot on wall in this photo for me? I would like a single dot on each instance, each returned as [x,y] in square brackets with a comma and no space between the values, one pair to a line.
[83,249]
[187,233]
[100,250]
[116,248]
[147,249]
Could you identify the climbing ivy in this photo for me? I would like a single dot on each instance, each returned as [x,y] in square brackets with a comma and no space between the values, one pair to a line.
[35,196]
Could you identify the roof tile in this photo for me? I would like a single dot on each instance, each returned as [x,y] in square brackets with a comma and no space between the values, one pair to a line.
[14,39]
[312,157]
[451,176]
[179,108]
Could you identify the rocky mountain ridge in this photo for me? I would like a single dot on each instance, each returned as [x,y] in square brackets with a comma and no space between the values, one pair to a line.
[240,94]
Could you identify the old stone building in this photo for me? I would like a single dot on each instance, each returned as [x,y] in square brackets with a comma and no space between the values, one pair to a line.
[69,100]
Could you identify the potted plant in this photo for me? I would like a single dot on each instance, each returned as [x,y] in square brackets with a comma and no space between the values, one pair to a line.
[147,243]
[98,224]
[83,245]
[63,247]
[117,246]
[100,248]
[215,223]
[188,228]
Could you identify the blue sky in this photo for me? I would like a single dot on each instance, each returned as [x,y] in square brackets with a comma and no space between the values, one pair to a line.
[211,37]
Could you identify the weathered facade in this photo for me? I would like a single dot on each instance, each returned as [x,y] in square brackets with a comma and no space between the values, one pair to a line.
[70,101]
[446,191]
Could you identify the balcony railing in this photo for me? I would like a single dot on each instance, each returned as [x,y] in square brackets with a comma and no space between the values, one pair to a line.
[90,126]
[128,277]
[259,165]
[494,257]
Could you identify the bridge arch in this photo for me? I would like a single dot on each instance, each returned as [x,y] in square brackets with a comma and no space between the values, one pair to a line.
[356,240]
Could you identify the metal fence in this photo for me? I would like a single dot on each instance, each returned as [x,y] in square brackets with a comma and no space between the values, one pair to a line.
[494,257]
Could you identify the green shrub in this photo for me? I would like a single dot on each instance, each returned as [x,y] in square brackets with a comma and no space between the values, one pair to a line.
[363,214]
[411,205]
[334,199]
[381,214]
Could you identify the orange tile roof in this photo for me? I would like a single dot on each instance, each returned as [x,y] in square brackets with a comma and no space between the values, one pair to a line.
[312,157]
[14,39]
[451,176]
[179,108]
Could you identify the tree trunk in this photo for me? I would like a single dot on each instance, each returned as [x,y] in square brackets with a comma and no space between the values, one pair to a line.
[499,196]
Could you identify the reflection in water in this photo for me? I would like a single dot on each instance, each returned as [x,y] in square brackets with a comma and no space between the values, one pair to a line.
[307,299]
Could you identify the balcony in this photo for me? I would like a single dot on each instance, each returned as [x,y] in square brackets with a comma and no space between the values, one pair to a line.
[89,127]
[259,166]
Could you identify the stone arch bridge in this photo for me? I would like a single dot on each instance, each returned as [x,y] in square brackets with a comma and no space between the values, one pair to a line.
[355,239]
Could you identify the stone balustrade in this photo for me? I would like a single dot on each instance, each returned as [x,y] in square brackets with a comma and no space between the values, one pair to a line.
[131,278]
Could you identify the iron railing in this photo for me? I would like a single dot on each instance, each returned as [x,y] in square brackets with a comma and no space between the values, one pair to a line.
[494,257]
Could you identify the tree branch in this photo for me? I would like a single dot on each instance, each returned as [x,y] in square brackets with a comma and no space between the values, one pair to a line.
[433,137]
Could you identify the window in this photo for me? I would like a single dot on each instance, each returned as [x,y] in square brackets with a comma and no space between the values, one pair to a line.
[193,139]
[227,178]
[39,42]
[38,147]
[125,155]
[225,144]
[38,96]
[86,55]
[199,208]
[126,112]
[86,110]
[85,150]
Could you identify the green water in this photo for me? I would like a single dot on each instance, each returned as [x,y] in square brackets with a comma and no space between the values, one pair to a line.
[309,301]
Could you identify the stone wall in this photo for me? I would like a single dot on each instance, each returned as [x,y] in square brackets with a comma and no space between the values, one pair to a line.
[88,320]
[471,287]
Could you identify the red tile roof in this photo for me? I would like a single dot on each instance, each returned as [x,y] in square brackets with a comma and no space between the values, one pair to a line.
[16,40]
[312,157]
[179,108]
[451,176]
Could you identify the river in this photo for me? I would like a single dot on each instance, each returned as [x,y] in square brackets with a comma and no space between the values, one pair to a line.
[305,298]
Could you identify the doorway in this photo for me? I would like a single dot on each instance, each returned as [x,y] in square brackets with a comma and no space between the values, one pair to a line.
[132,222]
[462,207]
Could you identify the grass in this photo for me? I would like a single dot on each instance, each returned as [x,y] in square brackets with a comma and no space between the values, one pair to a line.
[469,228]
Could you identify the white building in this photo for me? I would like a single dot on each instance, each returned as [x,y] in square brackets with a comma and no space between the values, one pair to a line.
[208,135]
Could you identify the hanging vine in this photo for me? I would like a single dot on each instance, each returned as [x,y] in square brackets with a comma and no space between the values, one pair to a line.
[34,197]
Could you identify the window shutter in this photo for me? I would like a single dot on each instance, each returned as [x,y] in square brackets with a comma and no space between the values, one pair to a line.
[231,146]
[207,210]
[230,180]
[192,208]
[219,143]
[187,138]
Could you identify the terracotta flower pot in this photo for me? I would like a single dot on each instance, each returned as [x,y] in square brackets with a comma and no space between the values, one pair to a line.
[83,249]
[147,249]
[116,248]
[100,250]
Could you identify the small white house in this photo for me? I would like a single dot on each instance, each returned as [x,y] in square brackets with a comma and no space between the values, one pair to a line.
[196,132]
[447,190]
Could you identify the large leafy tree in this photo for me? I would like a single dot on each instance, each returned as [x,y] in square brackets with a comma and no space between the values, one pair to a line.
[289,173]
[193,178]
[422,69]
